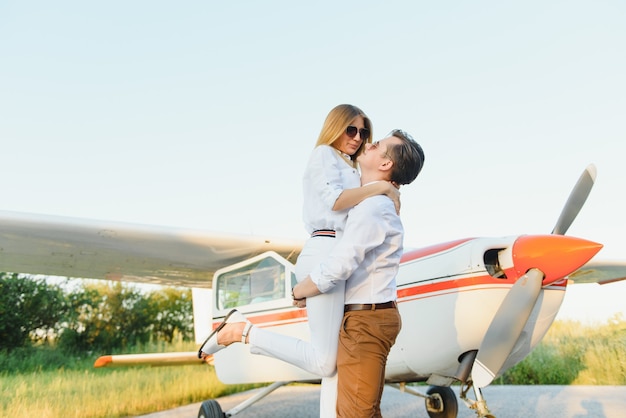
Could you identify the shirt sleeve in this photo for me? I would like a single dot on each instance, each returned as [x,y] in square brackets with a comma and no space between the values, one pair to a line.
[363,233]
[324,175]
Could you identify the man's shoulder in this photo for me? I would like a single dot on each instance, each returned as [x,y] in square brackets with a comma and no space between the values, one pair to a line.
[379,203]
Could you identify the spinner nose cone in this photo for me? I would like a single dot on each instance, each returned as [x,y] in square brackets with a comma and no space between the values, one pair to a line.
[555,255]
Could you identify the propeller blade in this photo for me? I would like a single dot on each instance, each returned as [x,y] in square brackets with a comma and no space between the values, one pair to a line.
[600,272]
[576,200]
[506,327]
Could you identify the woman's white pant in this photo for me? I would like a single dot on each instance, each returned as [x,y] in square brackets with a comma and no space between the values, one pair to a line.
[325,312]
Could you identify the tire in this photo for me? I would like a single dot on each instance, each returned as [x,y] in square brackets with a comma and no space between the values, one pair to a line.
[442,402]
[210,409]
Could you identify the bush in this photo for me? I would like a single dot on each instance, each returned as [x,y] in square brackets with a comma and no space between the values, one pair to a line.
[83,316]
[572,353]
[30,311]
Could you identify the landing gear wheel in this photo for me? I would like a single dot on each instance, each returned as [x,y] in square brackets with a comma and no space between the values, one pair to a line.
[441,402]
[210,409]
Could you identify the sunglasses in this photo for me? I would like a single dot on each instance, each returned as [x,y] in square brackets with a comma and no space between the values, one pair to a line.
[351,131]
[376,144]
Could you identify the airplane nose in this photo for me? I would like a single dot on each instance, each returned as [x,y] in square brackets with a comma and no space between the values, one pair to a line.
[555,255]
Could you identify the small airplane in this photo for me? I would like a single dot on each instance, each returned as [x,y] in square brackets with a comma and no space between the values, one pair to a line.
[471,308]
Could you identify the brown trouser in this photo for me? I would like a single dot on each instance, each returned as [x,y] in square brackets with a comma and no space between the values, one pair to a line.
[365,339]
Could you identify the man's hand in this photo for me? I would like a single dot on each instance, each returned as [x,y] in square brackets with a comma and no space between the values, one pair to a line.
[300,303]
[393,193]
[305,289]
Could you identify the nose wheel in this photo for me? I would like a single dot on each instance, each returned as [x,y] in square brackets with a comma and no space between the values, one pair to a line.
[441,402]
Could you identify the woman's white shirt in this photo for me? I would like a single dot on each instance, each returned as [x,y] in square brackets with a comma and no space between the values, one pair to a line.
[327,174]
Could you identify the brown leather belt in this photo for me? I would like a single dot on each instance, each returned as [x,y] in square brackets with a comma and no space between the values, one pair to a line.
[369,306]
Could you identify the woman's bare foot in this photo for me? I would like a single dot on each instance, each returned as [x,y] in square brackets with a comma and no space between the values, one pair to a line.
[231,333]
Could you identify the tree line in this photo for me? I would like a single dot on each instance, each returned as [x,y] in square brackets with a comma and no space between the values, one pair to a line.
[84,316]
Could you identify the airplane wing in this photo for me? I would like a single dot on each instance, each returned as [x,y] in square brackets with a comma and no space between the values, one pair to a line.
[79,248]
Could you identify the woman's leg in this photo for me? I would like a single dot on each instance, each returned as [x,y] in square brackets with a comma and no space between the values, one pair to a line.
[319,356]
[325,313]
[328,393]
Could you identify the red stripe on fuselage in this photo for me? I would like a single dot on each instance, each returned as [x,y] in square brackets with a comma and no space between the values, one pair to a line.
[406,293]
[426,289]
[431,288]
[287,317]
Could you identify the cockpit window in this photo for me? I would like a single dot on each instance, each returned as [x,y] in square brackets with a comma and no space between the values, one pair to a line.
[492,264]
[254,283]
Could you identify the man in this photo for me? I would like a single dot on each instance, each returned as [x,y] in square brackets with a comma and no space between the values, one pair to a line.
[368,257]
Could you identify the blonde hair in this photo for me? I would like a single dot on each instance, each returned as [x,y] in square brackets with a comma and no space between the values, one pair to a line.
[338,119]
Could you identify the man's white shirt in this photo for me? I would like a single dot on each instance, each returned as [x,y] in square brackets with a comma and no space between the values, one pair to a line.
[367,255]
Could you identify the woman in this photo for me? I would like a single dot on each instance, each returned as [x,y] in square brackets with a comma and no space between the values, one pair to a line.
[331,187]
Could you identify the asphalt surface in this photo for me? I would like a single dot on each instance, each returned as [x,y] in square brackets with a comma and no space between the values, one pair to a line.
[503,401]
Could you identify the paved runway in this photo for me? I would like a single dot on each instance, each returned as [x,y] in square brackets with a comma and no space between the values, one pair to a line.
[503,401]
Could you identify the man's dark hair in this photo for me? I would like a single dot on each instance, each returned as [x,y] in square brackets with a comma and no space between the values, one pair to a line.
[408,158]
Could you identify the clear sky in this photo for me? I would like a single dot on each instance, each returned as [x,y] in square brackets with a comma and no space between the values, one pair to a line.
[202,114]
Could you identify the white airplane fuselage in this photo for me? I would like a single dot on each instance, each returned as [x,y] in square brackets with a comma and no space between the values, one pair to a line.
[448,295]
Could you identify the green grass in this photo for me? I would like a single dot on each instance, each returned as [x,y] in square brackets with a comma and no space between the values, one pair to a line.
[107,393]
[575,354]
[45,383]
[50,385]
